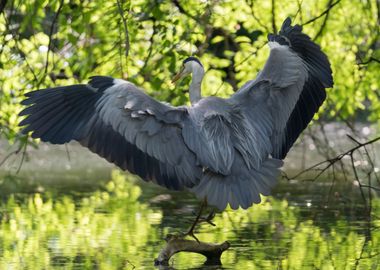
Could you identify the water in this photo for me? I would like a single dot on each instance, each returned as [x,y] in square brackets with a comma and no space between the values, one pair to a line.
[78,218]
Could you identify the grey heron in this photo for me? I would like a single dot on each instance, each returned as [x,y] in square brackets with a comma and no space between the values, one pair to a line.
[228,151]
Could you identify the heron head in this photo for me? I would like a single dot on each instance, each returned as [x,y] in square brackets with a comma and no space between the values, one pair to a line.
[189,65]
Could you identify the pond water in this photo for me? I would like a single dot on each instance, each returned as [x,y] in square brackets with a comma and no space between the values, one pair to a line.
[101,218]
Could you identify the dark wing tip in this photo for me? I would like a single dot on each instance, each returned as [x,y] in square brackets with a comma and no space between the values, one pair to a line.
[313,93]
[287,22]
[26,101]
[101,83]
[310,52]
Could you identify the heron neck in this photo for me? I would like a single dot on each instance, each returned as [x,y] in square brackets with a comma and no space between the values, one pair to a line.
[195,86]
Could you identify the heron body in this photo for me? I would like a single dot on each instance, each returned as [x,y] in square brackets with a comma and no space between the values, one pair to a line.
[228,151]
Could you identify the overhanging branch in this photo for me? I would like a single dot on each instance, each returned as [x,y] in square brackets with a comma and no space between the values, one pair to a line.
[330,162]
[323,13]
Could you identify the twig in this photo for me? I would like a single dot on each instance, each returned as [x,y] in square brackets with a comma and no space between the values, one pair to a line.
[366,239]
[333,160]
[199,219]
[21,53]
[371,163]
[2,5]
[323,13]
[150,50]
[369,195]
[299,10]
[50,36]
[250,3]
[129,262]
[67,152]
[121,12]
[358,181]
[251,54]
[324,23]
[183,11]
[274,28]
[25,146]
[121,55]
[217,90]
[202,21]
[331,187]
[371,59]
[15,152]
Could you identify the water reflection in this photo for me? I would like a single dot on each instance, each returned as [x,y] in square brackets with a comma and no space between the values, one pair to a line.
[121,226]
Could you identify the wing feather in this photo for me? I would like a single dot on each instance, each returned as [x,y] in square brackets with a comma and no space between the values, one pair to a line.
[144,138]
[297,73]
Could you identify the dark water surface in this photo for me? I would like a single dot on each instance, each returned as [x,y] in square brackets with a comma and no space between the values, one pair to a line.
[102,219]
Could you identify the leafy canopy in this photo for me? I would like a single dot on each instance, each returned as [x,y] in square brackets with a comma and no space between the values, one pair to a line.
[61,42]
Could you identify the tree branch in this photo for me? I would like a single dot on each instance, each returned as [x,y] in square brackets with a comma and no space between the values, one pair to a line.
[320,31]
[150,50]
[274,28]
[176,244]
[3,3]
[121,12]
[330,6]
[251,4]
[299,10]
[182,10]
[371,59]
[333,160]
[50,36]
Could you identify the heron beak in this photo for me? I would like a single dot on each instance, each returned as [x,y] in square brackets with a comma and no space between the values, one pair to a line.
[179,75]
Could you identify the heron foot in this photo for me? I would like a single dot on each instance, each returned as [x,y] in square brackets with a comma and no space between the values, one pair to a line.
[177,243]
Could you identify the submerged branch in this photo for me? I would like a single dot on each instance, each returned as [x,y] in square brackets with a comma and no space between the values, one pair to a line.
[176,244]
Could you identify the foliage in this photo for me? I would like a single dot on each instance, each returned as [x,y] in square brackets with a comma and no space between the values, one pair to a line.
[108,229]
[60,42]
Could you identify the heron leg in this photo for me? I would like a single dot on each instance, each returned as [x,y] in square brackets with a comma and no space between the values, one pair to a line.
[199,219]
[190,232]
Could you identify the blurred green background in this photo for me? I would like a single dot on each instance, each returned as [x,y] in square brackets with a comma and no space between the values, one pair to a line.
[48,43]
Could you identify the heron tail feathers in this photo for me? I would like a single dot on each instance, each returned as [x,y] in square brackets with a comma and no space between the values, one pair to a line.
[240,189]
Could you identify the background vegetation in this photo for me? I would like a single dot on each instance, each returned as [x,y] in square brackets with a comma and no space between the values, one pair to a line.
[60,42]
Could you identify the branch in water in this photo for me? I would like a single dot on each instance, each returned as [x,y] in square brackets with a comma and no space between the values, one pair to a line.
[176,244]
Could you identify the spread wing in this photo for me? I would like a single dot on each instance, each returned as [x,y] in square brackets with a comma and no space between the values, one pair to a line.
[116,120]
[220,149]
[293,81]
